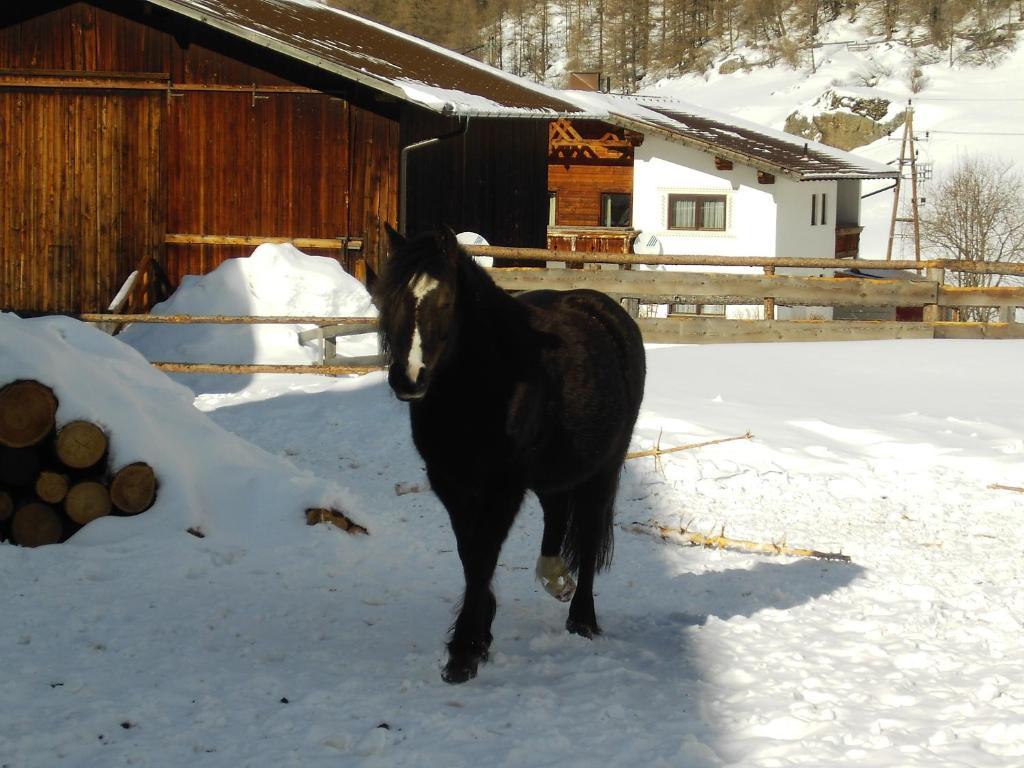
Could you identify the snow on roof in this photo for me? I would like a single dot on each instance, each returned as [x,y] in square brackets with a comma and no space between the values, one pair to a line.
[441,80]
[760,146]
[379,57]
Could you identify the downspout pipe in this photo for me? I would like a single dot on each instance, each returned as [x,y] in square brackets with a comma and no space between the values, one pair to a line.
[403,182]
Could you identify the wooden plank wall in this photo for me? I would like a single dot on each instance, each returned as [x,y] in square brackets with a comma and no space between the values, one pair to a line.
[491,181]
[272,184]
[82,182]
[578,191]
[296,164]
[372,197]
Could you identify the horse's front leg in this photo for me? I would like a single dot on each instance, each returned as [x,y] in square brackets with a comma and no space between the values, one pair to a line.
[480,526]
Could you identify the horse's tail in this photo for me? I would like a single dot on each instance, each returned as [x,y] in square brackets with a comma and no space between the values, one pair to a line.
[591,526]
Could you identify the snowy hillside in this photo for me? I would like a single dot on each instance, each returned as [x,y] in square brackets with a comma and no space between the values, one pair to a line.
[272,643]
[961,110]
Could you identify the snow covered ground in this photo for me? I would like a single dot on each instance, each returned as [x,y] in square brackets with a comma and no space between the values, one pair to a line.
[269,642]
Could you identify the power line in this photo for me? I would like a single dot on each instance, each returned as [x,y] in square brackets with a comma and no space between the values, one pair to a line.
[966,98]
[976,133]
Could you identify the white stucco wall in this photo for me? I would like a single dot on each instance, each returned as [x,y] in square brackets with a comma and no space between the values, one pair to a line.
[796,236]
[762,219]
[848,202]
[800,238]
[662,168]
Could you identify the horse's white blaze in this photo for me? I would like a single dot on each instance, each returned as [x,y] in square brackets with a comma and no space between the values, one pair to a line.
[421,288]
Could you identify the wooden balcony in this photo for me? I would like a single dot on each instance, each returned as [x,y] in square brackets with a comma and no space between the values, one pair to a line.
[592,239]
[848,241]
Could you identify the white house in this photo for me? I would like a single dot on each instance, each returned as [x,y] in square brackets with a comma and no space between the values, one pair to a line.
[705,183]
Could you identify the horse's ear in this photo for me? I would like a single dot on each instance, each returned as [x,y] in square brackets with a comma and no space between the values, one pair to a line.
[395,240]
[450,243]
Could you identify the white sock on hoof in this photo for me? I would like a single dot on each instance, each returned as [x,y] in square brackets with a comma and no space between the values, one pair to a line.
[555,578]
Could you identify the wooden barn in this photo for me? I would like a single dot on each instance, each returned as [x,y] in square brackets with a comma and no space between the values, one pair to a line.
[169,135]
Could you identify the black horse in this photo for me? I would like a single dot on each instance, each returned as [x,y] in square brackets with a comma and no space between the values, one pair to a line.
[505,394]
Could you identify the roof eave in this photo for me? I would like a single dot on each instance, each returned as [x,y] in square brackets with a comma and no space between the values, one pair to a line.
[373,82]
[852,176]
[727,154]
[266,41]
[741,157]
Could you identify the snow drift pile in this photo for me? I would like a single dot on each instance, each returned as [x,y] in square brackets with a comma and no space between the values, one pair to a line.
[274,280]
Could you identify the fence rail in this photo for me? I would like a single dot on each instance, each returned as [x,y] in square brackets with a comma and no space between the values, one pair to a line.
[686,287]
[927,293]
[705,260]
[720,288]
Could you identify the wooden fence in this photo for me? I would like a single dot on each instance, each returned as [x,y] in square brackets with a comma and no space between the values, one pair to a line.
[767,290]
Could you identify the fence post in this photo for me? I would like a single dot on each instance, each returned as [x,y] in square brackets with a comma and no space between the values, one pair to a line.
[632,306]
[769,301]
[933,312]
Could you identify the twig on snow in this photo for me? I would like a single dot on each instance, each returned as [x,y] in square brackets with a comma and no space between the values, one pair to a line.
[998,487]
[657,451]
[403,488]
[685,536]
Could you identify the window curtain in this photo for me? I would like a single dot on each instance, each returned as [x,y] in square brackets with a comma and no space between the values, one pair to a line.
[713,214]
[684,214]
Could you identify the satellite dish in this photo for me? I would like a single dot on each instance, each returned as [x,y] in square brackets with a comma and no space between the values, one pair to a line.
[647,244]
[472,238]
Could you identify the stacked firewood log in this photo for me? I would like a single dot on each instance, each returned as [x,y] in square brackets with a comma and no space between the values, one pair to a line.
[54,479]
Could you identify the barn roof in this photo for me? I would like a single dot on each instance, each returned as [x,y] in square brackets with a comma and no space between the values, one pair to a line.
[733,138]
[379,57]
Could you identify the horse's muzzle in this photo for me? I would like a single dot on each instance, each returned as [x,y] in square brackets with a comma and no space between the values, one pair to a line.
[406,390]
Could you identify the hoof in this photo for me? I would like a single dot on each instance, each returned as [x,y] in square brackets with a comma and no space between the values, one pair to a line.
[555,578]
[463,663]
[458,672]
[583,628]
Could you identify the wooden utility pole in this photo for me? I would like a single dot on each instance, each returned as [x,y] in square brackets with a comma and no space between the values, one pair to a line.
[908,157]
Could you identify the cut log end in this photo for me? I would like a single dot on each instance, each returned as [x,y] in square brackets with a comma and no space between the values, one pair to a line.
[81,444]
[36,525]
[52,487]
[6,506]
[87,501]
[133,488]
[27,411]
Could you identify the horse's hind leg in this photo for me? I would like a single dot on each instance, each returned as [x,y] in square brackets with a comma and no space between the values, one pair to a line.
[551,571]
[591,528]
[480,530]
